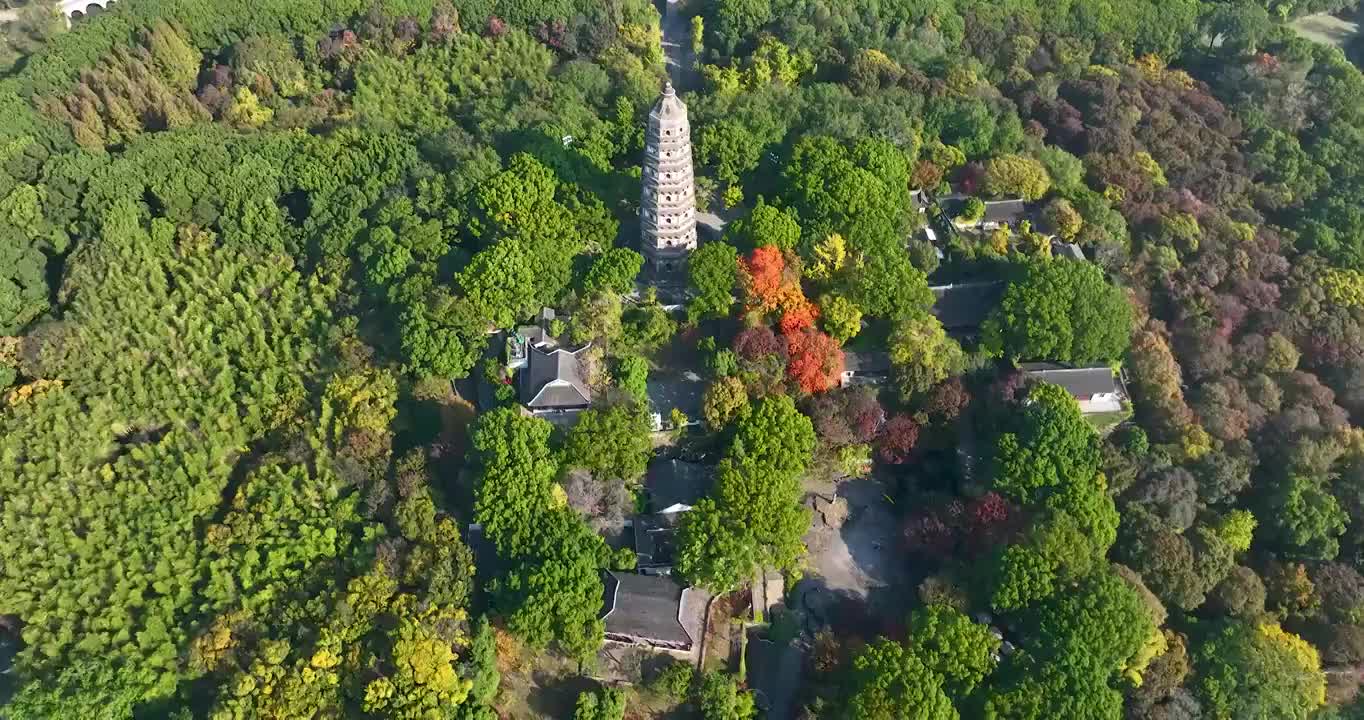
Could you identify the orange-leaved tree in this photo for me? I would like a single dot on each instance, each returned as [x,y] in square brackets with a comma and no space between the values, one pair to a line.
[772,284]
[762,275]
[797,314]
[815,360]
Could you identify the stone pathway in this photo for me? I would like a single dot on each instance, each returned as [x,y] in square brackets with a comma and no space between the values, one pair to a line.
[677,54]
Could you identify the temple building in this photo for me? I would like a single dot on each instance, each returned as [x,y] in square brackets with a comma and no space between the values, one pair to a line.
[667,212]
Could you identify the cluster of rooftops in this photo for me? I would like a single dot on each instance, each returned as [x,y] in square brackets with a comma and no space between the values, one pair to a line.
[648,607]
[1010,212]
[549,375]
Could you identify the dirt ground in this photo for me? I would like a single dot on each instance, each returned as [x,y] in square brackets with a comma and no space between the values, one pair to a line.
[864,554]
[719,636]
[860,561]
[1326,28]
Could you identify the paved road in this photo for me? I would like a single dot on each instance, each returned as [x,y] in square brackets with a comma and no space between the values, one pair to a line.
[677,53]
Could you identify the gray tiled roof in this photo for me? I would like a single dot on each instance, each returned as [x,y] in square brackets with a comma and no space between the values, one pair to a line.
[654,537]
[867,363]
[964,306]
[1005,211]
[646,607]
[552,380]
[670,482]
[1080,382]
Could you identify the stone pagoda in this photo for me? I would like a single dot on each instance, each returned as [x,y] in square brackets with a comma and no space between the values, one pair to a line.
[667,207]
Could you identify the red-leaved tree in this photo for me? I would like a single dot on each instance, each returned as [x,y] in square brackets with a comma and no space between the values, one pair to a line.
[755,343]
[864,412]
[897,439]
[949,398]
[815,360]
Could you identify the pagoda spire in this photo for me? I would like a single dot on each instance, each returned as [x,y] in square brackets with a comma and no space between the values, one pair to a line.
[667,207]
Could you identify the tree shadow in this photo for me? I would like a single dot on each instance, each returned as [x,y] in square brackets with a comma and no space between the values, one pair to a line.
[555,696]
[872,530]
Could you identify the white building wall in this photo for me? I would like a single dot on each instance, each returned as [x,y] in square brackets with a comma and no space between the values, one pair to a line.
[1101,403]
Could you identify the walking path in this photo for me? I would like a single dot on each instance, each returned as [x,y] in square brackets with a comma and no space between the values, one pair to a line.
[677,54]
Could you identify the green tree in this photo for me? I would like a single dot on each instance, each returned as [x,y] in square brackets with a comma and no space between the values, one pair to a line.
[859,190]
[646,328]
[725,398]
[1036,691]
[714,271]
[90,689]
[674,680]
[613,443]
[720,698]
[840,317]
[632,376]
[728,145]
[775,436]
[607,703]
[921,354]
[1063,312]
[424,679]
[25,235]
[1061,217]
[1058,551]
[409,93]
[614,270]
[1076,645]
[269,61]
[766,225]
[1304,517]
[972,210]
[1236,529]
[551,588]
[734,21]
[517,473]
[888,680]
[552,592]
[441,338]
[1100,627]
[142,285]
[885,284]
[948,643]
[1016,176]
[599,319]
[1021,577]
[1046,445]
[753,518]
[480,667]
[1256,669]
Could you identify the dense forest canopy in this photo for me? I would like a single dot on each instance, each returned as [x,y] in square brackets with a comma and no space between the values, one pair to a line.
[254,257]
